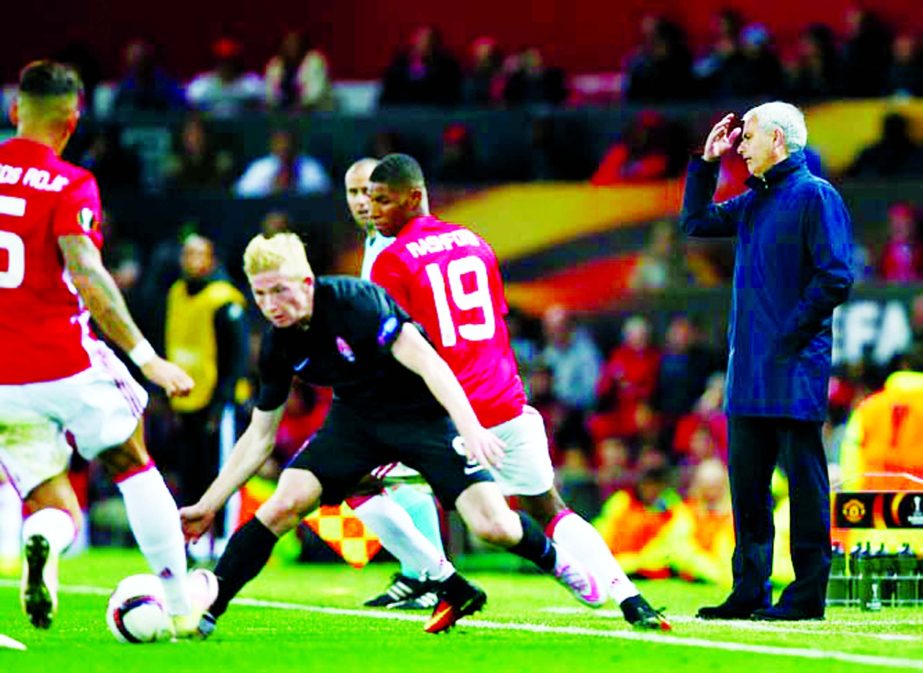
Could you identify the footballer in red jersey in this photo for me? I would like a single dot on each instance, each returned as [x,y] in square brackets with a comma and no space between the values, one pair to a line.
[448,279]
[57,381]
[42,198]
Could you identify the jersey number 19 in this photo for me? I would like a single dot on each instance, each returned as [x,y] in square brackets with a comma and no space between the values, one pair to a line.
[449,287]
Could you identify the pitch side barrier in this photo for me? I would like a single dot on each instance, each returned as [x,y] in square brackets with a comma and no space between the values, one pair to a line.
[885,570]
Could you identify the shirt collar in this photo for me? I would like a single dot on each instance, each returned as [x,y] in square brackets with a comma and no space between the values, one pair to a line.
[794,162]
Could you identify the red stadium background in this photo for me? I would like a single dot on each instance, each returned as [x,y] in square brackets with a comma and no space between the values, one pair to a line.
[361,35]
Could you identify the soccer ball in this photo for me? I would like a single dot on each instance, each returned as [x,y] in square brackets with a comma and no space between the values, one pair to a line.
[136,612]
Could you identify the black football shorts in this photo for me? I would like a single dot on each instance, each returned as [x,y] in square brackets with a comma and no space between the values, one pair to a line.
[349,445]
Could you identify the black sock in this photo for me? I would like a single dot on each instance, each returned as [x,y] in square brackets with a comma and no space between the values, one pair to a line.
[454,588]
[534,545]
[247,552]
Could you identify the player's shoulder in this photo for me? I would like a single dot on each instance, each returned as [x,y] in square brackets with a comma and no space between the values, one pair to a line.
[429,235]
[349,289]
[809,185]
[42,169]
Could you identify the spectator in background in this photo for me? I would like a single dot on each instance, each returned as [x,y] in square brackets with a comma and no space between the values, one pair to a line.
[708,413]
[115,167]
[197,163]
[574,361]
[901,258]
[816,70]
[635,523]
[481,80]
[388,141]
[228,88]
[685,365]
[457,163]
[866,54]
[721,69]
[661,68]
[650,149]
[275,222]
[558,150]
[905,76]
[895,154]
[525,346]
[145,86]
[762,73]
[705,540]
[883,437]
[283,171]
[297,77]
[425,73]
[661,264]
[573,357]
[530,82]
[205,331]
[81,56]
[614,469]
[626,383]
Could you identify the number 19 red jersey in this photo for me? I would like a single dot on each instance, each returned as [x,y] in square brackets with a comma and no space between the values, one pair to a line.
[43,324]
[448,279]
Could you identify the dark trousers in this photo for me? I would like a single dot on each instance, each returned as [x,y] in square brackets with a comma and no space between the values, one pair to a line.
[757,444]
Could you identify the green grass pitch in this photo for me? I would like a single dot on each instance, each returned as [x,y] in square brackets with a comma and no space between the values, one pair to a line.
[298,618]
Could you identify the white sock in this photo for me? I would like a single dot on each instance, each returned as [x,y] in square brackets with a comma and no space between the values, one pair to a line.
[583,541]
[55,525]
[154,520]
[394,527]
[10,521]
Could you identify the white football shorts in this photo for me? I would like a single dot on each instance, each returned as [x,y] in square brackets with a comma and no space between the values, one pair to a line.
[99,408]
[526,468]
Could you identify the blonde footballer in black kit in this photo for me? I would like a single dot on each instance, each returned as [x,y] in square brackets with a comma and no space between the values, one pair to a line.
[349,334]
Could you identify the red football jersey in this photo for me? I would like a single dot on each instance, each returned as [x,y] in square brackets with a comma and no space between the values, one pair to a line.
[43,323]
[448,279]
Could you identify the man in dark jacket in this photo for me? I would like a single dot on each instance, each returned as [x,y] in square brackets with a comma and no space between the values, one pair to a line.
[792,268]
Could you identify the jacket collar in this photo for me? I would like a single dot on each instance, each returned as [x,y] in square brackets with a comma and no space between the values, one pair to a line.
[794,162]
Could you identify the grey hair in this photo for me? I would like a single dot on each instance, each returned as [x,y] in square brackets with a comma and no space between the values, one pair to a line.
[785,117]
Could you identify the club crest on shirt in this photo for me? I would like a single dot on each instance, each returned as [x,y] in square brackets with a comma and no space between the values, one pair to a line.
[345,350]
[85,219]
[388,328]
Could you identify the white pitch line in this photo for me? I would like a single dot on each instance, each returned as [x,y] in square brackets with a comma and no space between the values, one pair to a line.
[10,643]
[743,625]
[654,638]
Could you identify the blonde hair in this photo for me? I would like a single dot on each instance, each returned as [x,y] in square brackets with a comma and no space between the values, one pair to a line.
[283,252]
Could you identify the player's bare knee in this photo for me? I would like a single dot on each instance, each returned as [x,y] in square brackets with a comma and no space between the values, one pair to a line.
[282,512]
[122,459]
[543,507]
[501,529]
[55,493]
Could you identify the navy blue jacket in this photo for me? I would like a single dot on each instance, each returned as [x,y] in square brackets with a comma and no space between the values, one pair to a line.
[792,268]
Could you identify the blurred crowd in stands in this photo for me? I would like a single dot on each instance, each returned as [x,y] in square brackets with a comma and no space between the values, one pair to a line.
[856,55]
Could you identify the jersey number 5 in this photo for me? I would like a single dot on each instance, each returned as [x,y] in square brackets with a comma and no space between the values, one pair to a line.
[16,260]
[478,298]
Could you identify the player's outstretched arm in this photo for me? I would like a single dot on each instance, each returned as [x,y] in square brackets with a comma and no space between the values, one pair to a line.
[106,304]
[415,353]
[250,452]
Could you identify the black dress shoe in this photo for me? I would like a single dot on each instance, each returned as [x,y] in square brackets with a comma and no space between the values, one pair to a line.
[727,610]
[777,613]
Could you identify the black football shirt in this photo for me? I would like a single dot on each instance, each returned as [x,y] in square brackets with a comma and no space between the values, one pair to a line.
[347,346]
